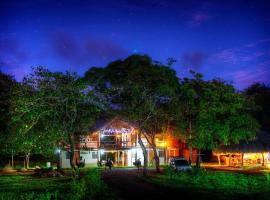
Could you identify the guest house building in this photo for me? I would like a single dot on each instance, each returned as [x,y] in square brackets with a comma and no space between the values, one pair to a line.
[117,140]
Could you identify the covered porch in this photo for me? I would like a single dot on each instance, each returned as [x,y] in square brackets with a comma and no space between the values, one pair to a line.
[253,153]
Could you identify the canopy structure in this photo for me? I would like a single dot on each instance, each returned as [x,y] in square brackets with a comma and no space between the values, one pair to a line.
[261,143]
[246,153]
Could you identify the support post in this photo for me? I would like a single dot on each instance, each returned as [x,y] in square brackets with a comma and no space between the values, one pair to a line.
[262,159]
[117,157]
[230,160]
[12,159]
[123,157]
[218,159]
[242,159]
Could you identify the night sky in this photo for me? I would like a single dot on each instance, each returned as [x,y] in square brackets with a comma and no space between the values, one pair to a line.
[227,39]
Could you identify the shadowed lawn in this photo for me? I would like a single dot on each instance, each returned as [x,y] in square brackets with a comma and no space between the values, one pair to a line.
[221,185]
[25,183]
[199,184]
[26,187]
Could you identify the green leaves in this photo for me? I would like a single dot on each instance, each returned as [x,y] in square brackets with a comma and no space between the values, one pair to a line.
[216,113]
[48,107]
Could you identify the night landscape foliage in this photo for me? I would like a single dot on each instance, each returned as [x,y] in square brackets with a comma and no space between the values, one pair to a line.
[197,70]
[48,107]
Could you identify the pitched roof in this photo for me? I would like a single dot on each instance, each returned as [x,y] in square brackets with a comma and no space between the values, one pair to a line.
[116,123]
[261,143]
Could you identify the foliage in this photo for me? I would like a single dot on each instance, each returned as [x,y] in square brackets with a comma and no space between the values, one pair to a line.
[140,90]
[260,94]
[6,85]
[214,113]
[51,107]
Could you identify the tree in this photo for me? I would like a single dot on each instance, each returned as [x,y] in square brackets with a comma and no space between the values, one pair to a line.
[189,101]
[140,90]
[214,113]
[260,94]
[7,82]
[52,107]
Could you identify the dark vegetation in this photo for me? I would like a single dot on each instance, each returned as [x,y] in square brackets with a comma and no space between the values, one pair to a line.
[49,110]
[29,187]
[216,184]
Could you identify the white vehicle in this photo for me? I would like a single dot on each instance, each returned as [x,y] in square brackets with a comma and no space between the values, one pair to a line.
[180,164]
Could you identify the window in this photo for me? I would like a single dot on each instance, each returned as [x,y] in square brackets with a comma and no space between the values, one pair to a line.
[94,155]
[160,153]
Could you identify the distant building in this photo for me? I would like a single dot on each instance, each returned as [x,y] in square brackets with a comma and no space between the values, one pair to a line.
[255,152]
[118,140]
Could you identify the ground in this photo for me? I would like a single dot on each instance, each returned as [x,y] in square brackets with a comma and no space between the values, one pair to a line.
[130,184]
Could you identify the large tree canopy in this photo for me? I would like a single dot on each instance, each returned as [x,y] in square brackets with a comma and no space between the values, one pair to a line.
[141,91]
[260,93]
[52,107]
[6,86]
[213,113]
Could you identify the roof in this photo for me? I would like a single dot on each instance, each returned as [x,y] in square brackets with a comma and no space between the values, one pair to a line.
[115,123]
[261,143]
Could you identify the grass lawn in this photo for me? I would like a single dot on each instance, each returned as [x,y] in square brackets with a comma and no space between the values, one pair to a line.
[222,185]
[26,183]
[26,187]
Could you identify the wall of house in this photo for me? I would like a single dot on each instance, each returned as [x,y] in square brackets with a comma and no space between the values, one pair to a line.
[65,158]
[89,157]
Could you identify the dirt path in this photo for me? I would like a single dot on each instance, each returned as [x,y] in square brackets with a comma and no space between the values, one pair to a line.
[129,184]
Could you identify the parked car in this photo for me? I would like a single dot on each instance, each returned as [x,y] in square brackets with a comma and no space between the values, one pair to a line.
[180,164]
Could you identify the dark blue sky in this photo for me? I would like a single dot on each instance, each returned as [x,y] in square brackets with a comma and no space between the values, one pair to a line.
[227,39]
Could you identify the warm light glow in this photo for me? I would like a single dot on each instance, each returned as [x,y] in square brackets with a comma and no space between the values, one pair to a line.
[163,144]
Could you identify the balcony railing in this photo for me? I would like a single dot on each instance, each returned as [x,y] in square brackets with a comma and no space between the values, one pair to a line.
[107,144]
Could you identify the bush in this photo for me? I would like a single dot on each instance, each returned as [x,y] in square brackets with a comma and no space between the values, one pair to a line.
[90,187]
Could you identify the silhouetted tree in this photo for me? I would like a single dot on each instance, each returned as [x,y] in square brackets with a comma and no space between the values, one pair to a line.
[260,94]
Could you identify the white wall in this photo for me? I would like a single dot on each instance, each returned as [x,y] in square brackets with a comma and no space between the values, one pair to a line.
[88,157]
[64,162]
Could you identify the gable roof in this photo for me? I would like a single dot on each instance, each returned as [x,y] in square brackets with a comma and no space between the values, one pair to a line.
[261,143]
[115,123]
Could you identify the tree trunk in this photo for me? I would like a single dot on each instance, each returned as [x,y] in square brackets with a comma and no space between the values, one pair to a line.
[198,160]
[72,154]
[190,155]
[190,147]
[145,156]
[181,153]
[157,163]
